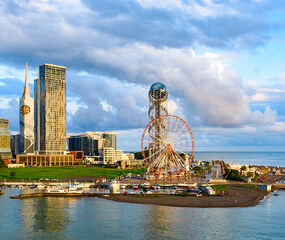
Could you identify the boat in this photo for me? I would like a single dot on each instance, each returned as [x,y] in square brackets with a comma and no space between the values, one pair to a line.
[115,187]
[1,192]
[74,189]
[41,187]
[123,186]
[65,189]
[82,185]
[156,186]
[56,191]
[146,184]
[182,186]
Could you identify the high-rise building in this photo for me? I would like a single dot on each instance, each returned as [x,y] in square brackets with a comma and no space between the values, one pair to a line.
[17,144]
[89,145]
[5,147]
[50,110]
[92,142]
[110,139]
[26,114]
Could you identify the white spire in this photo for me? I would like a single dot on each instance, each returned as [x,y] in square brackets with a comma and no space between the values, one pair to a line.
[26,88]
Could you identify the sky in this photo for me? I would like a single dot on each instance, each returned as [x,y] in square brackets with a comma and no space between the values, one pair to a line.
[221,61]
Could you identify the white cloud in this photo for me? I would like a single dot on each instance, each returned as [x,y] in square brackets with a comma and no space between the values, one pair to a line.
[259,97]
[197,10]
[107,107]
[13,72]
[4,102]
[277,127]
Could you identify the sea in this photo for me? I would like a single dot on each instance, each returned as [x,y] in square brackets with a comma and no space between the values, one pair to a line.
[94,218]
[249,158]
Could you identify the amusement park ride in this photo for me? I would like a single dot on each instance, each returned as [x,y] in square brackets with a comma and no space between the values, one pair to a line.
[167,142]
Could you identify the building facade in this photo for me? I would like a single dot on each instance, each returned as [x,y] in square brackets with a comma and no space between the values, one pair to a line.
[26,113]
[92,142]
[17,144]
[50,110]
[5,145]
[110,139]
[46,160]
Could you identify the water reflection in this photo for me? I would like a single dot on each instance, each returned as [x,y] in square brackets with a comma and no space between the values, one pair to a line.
[46,214]
[158,221]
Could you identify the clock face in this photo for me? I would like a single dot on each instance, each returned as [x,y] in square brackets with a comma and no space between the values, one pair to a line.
[25,109]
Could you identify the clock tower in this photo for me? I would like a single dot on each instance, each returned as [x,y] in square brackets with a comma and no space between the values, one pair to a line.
[27,118]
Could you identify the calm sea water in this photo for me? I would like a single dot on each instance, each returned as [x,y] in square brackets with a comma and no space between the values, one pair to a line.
[92,218]
[254,158]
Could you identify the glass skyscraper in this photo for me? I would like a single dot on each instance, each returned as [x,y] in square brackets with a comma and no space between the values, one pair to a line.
[50,110]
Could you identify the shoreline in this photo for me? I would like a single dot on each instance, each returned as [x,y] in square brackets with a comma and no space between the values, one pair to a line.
[235,197]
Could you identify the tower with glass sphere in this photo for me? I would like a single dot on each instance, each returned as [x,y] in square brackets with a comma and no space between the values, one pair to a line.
[157,100]
[157,107]
[167,142]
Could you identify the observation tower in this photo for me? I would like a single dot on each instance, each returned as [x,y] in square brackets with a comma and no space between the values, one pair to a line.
[167,142]
[157,100]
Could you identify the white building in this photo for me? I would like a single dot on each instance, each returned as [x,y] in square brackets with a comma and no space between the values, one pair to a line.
[27,117]
[111,155]
[236,166]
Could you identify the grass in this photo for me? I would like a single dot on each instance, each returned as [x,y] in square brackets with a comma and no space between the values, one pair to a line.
[219,188]
[247,185]
[35,173]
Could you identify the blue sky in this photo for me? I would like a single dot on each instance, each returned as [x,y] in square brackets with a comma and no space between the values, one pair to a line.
[222,62]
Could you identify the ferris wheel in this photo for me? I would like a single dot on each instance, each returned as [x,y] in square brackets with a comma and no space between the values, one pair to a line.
[167,146]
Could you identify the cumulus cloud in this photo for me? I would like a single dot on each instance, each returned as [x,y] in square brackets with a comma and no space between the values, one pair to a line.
[107,104]
[115,50]
[205,86]
[64,31]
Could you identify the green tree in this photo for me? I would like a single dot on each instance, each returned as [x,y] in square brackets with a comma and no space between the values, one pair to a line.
[243,169]
[12,174]
[234,175]
[250,174]
[2,163]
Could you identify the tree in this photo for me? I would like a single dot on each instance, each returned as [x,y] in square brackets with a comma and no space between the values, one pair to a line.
[234,175]
[243,169]
[12,174]
[139,155]
[250,174]
[2,163]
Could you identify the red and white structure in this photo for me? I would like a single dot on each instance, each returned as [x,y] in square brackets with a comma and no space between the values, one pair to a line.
[167,142]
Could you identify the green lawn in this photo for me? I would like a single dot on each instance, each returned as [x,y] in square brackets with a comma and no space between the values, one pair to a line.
[35,173]
[222,187]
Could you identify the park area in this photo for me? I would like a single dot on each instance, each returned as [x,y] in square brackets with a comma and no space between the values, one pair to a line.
[36,173]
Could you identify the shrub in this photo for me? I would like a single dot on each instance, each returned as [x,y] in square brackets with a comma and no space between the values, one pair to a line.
[13,174]
[2,163]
